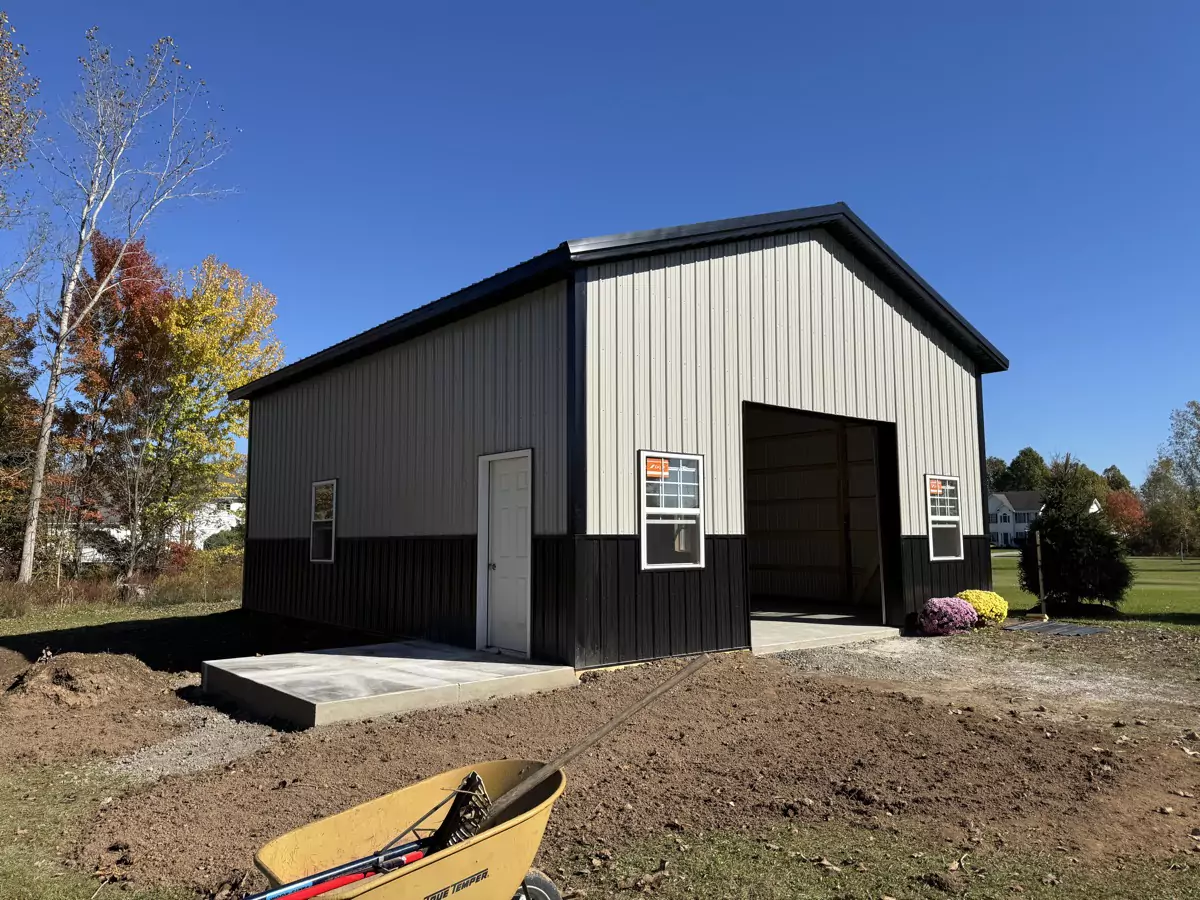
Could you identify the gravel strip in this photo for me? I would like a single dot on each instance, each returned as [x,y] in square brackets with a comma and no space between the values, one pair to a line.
[971,666]
[215,741]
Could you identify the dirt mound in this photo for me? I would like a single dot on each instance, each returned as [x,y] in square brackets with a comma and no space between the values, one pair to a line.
[747,744]
[86,679]
[83,705]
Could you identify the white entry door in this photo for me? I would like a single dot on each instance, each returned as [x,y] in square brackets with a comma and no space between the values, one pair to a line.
[509,527]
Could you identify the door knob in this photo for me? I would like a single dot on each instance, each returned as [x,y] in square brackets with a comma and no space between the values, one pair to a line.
[492,565]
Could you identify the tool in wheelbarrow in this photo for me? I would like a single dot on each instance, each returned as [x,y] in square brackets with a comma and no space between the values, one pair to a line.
[472,811]
[468,804]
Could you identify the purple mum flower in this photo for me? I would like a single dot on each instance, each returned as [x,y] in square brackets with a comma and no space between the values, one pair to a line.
[946,615]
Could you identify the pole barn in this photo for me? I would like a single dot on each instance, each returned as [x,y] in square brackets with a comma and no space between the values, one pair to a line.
[630,446]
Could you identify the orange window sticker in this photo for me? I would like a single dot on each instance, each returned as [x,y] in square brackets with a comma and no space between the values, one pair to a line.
[657,467]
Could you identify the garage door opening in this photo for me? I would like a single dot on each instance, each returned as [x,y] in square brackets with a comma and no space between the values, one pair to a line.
[814,548]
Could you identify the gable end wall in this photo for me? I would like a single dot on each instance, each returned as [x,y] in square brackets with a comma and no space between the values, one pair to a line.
[676,342]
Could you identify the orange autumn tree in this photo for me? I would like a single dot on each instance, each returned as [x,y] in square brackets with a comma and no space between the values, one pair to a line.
[121,360]
[18,428]
[1125,513]
[151,428]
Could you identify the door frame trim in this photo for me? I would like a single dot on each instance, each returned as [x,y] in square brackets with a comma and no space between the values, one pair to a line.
[482,545]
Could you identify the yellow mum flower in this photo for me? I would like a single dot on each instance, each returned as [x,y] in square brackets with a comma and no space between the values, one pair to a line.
[991,607]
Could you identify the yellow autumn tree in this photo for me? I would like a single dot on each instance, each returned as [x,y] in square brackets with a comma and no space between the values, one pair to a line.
[221,335]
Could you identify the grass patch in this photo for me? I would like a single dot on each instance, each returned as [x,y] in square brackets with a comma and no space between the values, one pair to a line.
[1165,591]
[842,861]
[41,810]
[84,615]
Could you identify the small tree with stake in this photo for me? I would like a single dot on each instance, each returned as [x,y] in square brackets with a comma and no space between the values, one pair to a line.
[1083,559]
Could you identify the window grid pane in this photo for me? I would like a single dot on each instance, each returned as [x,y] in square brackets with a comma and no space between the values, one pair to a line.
[672,530]
[677,488]
[944,510]
[943,497]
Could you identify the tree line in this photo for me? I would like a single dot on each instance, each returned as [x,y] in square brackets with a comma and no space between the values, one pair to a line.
[115,425]
[1162,516]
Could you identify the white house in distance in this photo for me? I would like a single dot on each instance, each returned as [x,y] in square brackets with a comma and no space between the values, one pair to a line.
[1009,515]
[213,517]
[1011,512]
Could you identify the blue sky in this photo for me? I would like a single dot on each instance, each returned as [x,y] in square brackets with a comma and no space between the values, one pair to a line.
[1036,163]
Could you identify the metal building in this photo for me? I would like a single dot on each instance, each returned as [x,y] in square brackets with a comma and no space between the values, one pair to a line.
[622,448]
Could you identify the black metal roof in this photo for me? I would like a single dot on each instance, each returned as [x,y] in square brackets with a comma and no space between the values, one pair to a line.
[837,219]
[1023,501]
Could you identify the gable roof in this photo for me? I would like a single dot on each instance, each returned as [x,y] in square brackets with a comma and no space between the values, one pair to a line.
[555,264]
[1022,500]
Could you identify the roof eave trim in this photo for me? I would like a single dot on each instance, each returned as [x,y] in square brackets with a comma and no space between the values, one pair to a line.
[659,239]
[567,256]
[473,298]
[642,243]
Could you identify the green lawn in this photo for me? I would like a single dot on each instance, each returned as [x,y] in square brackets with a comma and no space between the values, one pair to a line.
[831,860]
[1166,591]
[85,615]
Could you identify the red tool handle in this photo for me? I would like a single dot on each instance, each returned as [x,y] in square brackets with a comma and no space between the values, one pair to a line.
[330,885]
[342,880]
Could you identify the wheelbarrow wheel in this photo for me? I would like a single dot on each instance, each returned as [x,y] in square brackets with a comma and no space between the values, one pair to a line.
[537,886]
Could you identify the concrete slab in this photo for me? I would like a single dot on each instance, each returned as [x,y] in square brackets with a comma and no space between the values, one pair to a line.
[323,686]
[781,631]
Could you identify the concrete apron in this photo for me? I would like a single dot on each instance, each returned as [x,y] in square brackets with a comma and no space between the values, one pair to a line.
[324,686]
[779,633]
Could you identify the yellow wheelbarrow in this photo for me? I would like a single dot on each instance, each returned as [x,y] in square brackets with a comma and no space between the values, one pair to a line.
[495,864]
[471,844]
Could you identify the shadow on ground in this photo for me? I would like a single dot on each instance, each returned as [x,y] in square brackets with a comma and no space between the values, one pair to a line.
[181,643]
[1108,615]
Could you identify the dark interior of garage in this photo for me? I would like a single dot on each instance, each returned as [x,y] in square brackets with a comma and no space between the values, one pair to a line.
[813,541]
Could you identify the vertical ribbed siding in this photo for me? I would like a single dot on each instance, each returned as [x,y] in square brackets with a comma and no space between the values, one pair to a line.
[677,342]
[402,429]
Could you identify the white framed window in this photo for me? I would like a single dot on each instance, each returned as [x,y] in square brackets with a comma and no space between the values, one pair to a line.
[324,521]
[672,510]
[993,518]
[1024,518]
[945,517]
[1003,517]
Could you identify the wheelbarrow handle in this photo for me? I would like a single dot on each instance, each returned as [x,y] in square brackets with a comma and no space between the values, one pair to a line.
[506,800]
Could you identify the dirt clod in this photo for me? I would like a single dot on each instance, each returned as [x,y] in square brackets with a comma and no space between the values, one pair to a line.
[947,882]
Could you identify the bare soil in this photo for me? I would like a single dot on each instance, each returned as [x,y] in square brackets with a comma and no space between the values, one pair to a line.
[748,744]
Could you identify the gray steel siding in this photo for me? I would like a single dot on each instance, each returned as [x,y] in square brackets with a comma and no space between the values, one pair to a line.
[402,429]
[677,341]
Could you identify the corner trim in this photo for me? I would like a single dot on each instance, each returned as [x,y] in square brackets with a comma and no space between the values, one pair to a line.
[577,402]
[983,476]
[246,508]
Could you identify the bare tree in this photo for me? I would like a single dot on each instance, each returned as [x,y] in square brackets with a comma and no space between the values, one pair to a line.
[134,143]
